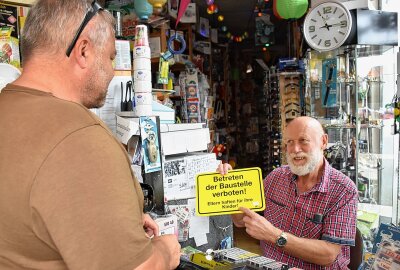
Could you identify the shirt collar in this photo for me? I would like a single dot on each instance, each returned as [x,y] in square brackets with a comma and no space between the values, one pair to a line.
[323,185]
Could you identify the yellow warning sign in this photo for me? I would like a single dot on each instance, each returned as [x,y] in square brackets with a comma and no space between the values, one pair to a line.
[218,194]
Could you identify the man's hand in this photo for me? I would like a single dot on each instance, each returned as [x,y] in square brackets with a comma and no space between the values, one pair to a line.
[150,226]
[237,219]
[166,253]
[223,168]
[258,227]
[170,249]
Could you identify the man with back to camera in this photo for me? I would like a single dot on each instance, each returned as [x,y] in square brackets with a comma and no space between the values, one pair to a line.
[68,198]
[310,216]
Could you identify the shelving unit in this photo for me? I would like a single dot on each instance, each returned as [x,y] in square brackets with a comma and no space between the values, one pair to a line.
[359,125]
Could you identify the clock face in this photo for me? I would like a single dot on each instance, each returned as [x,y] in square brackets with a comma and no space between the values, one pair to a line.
[327,26]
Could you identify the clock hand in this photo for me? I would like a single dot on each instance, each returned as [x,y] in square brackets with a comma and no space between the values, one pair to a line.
[336,24]
[328,84]
[327,26]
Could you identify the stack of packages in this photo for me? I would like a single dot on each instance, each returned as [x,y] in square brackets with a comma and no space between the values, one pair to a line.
[192,96]
[142,73]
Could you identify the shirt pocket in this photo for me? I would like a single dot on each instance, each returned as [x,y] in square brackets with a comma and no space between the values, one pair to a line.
[311,229]
[302,225]
[274,212]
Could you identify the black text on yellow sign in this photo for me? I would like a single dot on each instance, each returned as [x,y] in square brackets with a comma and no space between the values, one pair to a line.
[218,194]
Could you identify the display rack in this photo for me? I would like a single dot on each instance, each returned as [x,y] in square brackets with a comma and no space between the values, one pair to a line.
[351,91]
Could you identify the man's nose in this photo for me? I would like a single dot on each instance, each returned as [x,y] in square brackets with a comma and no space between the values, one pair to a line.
[296,147]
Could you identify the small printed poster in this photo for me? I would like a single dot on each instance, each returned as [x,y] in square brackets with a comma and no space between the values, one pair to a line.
[9,18]
[218,194]
[122,60]
[150,144]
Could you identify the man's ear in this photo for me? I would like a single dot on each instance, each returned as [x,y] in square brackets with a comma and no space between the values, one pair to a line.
[82,51]
[324,141]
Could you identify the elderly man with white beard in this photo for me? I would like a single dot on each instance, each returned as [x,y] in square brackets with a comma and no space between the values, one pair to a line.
[310,216]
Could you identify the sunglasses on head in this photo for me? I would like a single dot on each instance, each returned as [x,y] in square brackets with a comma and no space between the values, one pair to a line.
[95,7]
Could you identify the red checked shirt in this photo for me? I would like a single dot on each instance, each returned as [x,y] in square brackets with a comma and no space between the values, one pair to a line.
[333,201]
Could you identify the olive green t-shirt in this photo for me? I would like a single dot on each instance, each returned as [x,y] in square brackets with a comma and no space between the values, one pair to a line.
[68,198]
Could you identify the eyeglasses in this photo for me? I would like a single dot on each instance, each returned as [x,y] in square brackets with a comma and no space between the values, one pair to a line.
[95,7]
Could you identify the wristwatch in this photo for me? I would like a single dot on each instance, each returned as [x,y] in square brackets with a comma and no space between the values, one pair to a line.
[282,240]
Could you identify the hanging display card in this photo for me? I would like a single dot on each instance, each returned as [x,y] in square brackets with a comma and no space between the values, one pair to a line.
[218,194]
[386,232]
[150,144]
[329,77]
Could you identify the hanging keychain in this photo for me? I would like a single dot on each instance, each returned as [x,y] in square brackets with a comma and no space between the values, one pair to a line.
[167,56]
[227,241]
[170,44]
[163,70]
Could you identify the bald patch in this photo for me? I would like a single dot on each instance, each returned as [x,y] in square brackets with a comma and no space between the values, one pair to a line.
[306,123]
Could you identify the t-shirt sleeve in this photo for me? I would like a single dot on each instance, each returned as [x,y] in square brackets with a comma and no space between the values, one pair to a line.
[86,206]
[340,223]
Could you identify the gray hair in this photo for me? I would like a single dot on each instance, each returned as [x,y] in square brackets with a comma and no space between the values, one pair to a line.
[52,24]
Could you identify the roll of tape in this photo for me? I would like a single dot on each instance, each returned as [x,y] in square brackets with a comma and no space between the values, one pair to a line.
[142,86]
[141,63]
[143,99]
[142,75]
[143,110]
[141,52]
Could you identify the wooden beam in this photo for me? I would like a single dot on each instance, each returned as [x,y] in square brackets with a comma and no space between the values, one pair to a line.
[26,3]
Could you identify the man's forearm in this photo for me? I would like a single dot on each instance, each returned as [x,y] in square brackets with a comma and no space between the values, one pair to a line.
[159,259]
[314,251]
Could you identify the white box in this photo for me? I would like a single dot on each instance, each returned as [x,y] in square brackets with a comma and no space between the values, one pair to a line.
[184,141]
[126,128]
[167,224]
[175,138]
[177,127]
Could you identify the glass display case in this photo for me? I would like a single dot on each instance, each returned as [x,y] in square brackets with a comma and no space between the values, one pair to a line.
[351,92]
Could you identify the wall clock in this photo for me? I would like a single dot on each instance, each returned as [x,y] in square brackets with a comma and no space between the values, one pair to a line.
[327,26]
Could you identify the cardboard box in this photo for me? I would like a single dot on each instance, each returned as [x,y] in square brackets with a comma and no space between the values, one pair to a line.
[167,224]
[126,128]
[183,141]
[175,138]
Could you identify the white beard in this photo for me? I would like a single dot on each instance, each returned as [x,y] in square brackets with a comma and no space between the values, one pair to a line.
[312,158]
